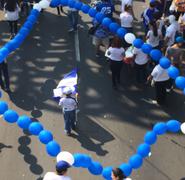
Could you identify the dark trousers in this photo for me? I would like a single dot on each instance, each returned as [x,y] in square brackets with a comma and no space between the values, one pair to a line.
[4,72]
[25,8]
[160,89]
[69,120]
[73,19]
[115,67]
[141,73]
[59,10]
[13,27]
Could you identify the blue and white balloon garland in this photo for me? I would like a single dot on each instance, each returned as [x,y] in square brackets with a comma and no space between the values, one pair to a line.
[85,161]
[46,137]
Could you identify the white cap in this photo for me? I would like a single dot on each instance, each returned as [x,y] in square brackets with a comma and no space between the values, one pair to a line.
[67,90]
[171,19]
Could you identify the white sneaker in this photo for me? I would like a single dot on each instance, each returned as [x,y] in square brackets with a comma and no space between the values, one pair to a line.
[71,30]
[154,102]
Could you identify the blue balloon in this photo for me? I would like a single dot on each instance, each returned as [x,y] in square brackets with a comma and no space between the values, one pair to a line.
[64,2]
[4,51]
[86,161]
[45,136]
[92,12]
[35,12]
[78,158]
[180,82]
[160,128]
[150,138]
[173,126]
[35,128]
[138,43]
[85,8]
[24,122]
[143,150]
[121,32]
[53,148]
[136,161]
[19,38]
[107,173]
[106,22]
[95,168]
[2,58]
[173,72]
[78,5]
[24,31]
[54,3]
[32,18]
[3,107]
[10,116]
[165,62]
[126,168]
[28,25]
[146,48]
[155,54]
[99,17]
[114,27]
[11,45]
[71,3]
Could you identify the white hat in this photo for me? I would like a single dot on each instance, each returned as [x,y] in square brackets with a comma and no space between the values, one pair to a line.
[171,19]
[67,90]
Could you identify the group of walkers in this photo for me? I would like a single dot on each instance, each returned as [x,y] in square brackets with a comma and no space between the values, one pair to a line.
[164,29]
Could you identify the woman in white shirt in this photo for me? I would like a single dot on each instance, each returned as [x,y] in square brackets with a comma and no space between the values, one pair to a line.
[162,81]
[61,171]
[154,36]
[116,54]
[127,19]
[141,61]
[12,15]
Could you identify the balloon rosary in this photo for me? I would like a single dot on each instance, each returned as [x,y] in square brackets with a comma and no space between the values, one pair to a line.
[46,137]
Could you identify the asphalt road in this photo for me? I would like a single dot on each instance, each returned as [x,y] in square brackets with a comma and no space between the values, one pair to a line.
[110,124]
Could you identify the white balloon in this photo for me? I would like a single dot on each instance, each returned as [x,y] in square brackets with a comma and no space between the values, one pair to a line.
[129,38]
[44,4]
[65,156]
[183,128]
[37,7]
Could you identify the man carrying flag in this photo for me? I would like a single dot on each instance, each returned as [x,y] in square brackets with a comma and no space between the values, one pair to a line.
[66,92]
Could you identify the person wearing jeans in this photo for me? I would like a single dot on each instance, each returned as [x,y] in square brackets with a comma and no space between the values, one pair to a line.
[69,105]
[73,19]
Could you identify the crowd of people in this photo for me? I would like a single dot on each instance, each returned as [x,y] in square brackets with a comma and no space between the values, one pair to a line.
[164,28]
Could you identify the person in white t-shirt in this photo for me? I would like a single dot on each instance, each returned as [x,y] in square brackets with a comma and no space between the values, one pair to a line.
[116,54]
[171,31]
[154,36]
[61,172]
[127,19]
[162,80]
[69,105]
[141,60]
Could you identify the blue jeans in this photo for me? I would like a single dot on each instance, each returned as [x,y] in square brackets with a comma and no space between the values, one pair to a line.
[73,19]
[69,120]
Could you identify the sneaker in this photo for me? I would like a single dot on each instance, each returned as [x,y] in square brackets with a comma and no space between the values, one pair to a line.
[154,102]
[70,30]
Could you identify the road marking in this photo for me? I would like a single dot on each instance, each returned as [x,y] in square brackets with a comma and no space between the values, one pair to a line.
[77,52]
[77,47]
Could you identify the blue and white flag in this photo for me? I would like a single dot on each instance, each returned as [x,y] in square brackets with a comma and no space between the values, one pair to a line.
[69,80]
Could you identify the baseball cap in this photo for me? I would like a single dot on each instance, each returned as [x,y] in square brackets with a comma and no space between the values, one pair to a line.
[179,39]
[62,165]
[67,90]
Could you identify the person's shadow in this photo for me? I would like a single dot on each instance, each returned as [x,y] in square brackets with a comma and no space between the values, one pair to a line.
[182,178]
[2,146]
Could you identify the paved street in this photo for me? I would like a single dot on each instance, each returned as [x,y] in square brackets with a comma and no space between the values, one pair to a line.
[110,124]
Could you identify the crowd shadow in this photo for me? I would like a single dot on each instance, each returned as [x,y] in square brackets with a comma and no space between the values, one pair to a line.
[4,146]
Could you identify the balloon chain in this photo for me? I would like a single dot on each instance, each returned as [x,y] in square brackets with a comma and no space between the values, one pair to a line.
[46,137]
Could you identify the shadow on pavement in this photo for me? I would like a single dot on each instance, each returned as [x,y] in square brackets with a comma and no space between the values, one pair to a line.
[92,136]
[2,146]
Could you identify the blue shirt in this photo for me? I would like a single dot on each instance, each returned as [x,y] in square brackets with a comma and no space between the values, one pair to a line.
[105,8]
[148,15]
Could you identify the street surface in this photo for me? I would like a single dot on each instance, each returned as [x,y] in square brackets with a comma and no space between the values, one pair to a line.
[111,124]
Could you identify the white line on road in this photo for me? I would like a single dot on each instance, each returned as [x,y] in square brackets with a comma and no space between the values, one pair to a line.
[77,47]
